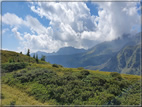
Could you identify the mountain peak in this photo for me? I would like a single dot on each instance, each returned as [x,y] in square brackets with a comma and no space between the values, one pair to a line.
[69,50]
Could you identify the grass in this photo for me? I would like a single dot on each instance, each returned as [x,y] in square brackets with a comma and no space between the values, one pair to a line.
[7,55]
[20,97]
[13,94]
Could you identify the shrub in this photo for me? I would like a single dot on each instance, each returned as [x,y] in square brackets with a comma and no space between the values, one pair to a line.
[60,66]
[114,89]
[80,68]
[124,84]
[24,79]
[39,92]
[43,58]
[15,75]
[10,60]
[116,76]
[12,103]
[4,70]
[85,72]
[13,66]
[55,65]
[23,71]
[2,96]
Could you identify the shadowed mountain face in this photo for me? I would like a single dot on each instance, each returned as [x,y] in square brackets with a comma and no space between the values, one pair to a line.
[119,55]
[127,61]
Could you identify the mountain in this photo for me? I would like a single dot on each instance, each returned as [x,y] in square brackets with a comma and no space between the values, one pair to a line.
[127,61]
[62,51]
[97,55]
[69,51]
[108,47]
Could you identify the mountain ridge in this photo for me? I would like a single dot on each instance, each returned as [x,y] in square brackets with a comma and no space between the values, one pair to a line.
[95,56]
[62,51]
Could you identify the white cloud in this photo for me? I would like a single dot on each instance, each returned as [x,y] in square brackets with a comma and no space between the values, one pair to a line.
[116,19]
[17,34]
[11,19]
[67,20]
[35,25]
[4,30]
[71,24]
[31,22]
[74,22]
[41,42]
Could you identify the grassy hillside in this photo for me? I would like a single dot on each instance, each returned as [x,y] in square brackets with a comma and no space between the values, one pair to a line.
[6,56]
[17,97]
[51,84]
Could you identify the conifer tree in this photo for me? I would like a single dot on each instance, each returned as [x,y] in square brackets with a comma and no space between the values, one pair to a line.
[28,53]
[43,58]
[36,58]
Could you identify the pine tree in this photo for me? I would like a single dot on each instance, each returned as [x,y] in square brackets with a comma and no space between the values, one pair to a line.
[36,58]
[43,58]
[28,53]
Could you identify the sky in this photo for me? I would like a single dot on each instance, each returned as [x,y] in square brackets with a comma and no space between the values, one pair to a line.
[49,26]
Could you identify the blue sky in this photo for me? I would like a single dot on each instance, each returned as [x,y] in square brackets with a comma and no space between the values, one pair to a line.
[21,9]
[49,26]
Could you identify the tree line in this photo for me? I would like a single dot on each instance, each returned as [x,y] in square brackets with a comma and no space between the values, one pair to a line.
[35,56]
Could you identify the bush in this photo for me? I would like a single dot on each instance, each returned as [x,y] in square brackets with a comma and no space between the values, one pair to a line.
[60,66]
[4,70]
[13,66]
[2,96]
[24,79]
[12,103]
[23,71]
[39,92]
[55,65]
[114,89]
[116,76]
[80,68]
[124,84]
[85,72]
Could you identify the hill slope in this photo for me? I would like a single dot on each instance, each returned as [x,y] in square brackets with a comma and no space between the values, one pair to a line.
[7,56]
[17,97]
[56,85]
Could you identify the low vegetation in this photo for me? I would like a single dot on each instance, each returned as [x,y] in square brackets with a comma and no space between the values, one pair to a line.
[52,84]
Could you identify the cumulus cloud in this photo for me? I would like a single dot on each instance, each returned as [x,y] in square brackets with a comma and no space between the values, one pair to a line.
[116,19]
[11,19]
[17,34]
[71,24]
[35,25]
[75,23]
[41,42]
[68,20]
